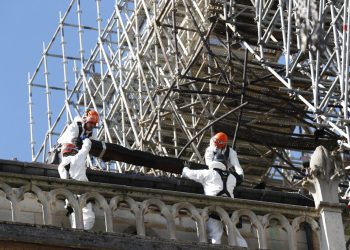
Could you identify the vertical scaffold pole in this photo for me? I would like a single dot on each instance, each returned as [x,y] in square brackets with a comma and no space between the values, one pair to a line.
[64,64]
[81,48]
[346,78]
[48,98]
[31,119]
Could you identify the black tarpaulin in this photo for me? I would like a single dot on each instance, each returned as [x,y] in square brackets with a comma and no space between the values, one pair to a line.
[140,158]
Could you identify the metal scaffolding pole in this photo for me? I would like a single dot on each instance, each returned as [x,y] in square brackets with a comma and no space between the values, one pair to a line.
[161,71]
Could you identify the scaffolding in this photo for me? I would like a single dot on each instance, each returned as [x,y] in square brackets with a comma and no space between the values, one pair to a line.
[166,74]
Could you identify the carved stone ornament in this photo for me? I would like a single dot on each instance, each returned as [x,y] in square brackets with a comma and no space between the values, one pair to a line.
[323,177]
[321,164]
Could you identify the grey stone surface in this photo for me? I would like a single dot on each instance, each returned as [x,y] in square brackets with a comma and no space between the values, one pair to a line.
[53,236]
[149,218]
[163,183]
[322,182]
[153,212]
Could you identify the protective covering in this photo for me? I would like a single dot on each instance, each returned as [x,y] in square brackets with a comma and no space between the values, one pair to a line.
[72,132]
[220,140]
[88,217]
[110,151]
[77,167]
[232,160]
[74,167]
[91,116]
[213,184]
[210,179]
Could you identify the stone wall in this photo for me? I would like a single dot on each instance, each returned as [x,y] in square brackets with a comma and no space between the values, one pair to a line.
[159,214]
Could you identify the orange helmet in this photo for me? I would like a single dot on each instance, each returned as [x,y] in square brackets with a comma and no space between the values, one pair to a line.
[220,140]
[91,116]
[68,148]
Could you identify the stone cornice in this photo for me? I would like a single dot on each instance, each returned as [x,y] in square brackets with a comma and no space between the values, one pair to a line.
[137,193]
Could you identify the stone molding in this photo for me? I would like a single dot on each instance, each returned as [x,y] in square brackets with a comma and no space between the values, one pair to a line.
[108,197]
[34,237]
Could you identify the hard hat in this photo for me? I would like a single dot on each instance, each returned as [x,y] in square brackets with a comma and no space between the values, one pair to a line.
[220,158]
[68,148]
[91,116]
[220,140]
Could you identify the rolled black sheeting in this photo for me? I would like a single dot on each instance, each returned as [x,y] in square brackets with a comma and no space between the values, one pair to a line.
[140,158]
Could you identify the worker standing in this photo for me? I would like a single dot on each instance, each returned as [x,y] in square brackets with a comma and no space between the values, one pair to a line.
[78,130]
[216,181]
[73,166]
[218,145]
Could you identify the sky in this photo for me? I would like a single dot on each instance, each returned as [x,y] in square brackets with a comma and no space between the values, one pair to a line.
[25,25]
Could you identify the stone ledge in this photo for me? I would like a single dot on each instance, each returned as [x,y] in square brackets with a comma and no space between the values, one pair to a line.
[160,183]
[51,236]
[167,196]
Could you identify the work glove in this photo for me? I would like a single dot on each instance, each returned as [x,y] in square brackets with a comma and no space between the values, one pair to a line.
[87,144]
[183,175]
[78,142]
[239,177]
[87,141]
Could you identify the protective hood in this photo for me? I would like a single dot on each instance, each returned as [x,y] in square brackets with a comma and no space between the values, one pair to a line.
[211,143]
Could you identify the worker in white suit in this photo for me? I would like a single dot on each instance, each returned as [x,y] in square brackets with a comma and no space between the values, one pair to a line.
[218,145]
[216,181]
[80,128]
[73,166]
[75,133]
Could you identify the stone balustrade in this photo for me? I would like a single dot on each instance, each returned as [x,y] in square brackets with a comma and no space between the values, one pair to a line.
[157,213]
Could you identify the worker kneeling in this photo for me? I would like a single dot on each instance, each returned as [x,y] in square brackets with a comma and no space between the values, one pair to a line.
[73,167]
[216,181]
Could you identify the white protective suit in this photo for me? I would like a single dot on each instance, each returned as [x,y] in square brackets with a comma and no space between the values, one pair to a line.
[72,132]
[77,171]
[232,160]
[212,185]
